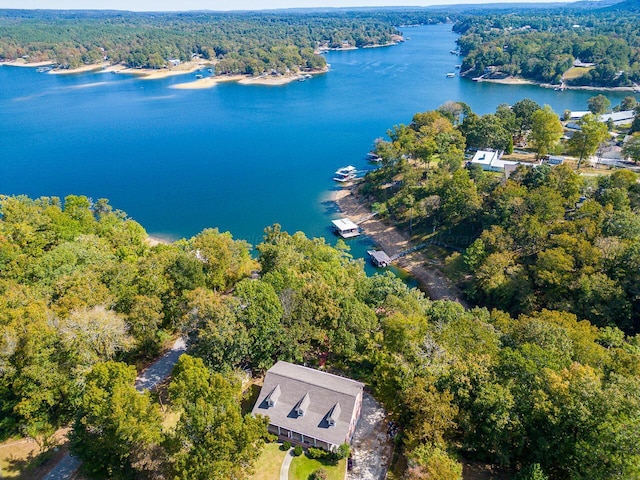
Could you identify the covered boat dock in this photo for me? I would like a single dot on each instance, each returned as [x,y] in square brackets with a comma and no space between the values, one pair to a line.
[379,258]
[346,228]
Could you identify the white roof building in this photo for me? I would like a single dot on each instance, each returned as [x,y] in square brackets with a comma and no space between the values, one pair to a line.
[490,161]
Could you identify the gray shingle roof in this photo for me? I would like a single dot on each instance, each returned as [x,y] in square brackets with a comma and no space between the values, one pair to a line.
[319,394]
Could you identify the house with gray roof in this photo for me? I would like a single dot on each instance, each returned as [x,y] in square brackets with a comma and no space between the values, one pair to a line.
[309,407]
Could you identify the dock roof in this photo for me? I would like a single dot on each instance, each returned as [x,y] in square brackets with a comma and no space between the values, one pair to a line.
[344,224]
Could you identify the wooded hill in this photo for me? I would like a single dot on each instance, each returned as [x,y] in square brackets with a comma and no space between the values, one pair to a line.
[249,42]
[543,45]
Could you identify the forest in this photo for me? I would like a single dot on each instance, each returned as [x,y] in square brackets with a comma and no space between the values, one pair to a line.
[241,42]
[545,238]
[543,46]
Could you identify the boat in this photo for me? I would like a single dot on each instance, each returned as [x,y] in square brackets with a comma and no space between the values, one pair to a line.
[345,174]
[348,170]
[346,177]
[374,157]
[199,76]
[458,66]
[451,74]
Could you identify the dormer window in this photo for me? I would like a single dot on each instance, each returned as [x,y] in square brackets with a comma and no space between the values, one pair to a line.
[303,405]
[334,414]
[272,398]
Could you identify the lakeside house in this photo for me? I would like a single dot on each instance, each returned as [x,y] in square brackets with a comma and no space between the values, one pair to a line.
[491,161]
[309,407]
[618,118]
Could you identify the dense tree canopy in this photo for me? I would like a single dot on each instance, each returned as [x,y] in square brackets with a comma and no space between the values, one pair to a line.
[545,45]
[238,42]
[544,391]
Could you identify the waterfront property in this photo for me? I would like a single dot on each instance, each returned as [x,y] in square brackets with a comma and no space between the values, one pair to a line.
[309,407]
[491,161]
[617,118]
[346,228]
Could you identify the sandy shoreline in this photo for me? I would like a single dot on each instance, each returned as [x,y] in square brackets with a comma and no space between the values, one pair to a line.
[506,81]
[17,63]
[210,82]
[393,241]
[154,241]
[523,81]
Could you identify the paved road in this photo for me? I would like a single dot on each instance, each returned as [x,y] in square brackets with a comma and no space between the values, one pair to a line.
[150,378]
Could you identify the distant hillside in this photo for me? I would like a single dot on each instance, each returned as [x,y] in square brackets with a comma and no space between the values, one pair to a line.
[627,5]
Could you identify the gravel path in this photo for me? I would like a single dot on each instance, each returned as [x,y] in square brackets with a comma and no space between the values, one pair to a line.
[392,241]
[371,447]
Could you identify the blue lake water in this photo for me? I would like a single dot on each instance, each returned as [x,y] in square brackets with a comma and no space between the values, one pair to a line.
[234,157]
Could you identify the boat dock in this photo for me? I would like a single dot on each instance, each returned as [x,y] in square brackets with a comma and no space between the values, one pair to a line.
[346,228]
[379,258]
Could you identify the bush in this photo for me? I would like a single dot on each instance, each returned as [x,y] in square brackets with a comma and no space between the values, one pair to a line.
[320,474]
[286,446]
[317,453]
[297,451]
[343,451]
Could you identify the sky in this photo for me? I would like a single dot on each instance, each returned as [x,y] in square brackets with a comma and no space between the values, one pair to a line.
[183,5]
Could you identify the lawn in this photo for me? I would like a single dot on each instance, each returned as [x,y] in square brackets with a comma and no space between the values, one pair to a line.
[576,72]
[302,467]
[268,464]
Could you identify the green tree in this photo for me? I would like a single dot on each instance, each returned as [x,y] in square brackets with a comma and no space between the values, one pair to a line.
[428,462]
[211,421]
[598,104]
[585,141]
[628,103]
[114,423]
[524,110]
[631,148]
[546,130]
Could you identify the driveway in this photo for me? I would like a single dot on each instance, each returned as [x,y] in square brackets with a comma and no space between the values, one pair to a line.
[371,447]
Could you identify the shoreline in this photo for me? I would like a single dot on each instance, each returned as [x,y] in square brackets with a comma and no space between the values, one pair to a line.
[269,80]
[511,80]
[389,238]
[154,241]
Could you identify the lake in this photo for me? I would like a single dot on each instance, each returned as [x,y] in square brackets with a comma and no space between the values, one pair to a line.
[234,157]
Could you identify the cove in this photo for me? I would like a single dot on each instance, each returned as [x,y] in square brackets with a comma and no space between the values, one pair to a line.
[234,157]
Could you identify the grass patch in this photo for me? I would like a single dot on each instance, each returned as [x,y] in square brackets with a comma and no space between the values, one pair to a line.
[21,459]
[267,466]
[576,72]
[302,467]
